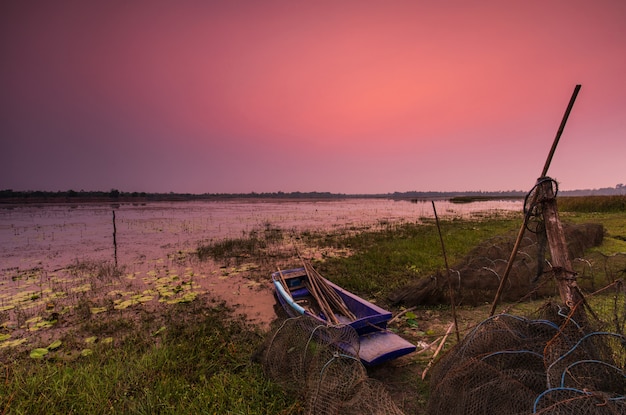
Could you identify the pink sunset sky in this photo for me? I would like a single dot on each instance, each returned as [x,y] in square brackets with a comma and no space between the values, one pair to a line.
[330,96]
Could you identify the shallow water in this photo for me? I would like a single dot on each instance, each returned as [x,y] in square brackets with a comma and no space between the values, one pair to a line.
[51,236]
[39,245]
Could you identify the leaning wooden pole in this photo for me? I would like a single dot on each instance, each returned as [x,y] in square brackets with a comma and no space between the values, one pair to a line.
[450,288]
[561,263]
[544,172]
[559,132]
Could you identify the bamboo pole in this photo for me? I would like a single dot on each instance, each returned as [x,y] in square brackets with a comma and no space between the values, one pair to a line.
[570,105]
[324,307]
[450,288]
[321,301]
[401,313]
[429,345]
[544,172]
[443,341]
[329,293]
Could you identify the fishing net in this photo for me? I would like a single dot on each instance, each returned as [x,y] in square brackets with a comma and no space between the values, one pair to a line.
[320,364]
[555,362]
[476,277]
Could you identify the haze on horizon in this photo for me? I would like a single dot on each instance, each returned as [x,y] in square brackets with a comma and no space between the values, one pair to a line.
[355,97]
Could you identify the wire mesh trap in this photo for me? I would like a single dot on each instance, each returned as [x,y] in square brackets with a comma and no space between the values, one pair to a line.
[320,364]
[553,363]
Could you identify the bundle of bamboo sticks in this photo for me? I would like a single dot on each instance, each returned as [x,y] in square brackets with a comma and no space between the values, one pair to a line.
[327,298]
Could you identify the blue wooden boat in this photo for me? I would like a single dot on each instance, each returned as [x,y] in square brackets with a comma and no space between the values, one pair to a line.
[377,344]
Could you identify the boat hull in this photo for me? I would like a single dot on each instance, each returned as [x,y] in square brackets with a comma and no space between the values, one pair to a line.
[377,344]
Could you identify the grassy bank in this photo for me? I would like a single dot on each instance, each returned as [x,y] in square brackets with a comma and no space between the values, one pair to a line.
[386,260]
[191,358]
[196,357]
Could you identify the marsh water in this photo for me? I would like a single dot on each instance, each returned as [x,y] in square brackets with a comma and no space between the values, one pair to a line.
[39,244]
[50,236]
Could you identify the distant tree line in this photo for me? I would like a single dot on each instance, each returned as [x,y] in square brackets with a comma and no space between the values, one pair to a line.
[619,189]
[114,195]
[9,195]
[117,196]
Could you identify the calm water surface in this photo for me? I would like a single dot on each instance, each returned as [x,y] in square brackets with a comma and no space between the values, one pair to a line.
[55,235]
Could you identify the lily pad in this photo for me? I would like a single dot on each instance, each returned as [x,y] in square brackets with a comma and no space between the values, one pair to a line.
[166,294]
[38,353]
[115,293]
[86,352]
[42,325]
[13,343]
[92,339]
[23,296]
[33,320]
[82,288]
[98,310]
[58,294]
[125,304]
[253,284]
[55,345]
[187,298]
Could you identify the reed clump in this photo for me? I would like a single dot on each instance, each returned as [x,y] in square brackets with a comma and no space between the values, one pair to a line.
[250,245]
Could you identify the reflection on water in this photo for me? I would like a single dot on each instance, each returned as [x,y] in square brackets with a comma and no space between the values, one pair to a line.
[55,235]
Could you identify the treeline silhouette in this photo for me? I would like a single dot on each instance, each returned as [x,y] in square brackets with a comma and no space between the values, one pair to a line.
[114,195]
[9,196]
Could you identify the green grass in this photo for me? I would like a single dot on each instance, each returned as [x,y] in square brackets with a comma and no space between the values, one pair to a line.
[385,260]
[610,211]
[614,224]
[198,363]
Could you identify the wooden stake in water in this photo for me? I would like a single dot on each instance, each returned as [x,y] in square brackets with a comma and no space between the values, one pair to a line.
[114,240]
